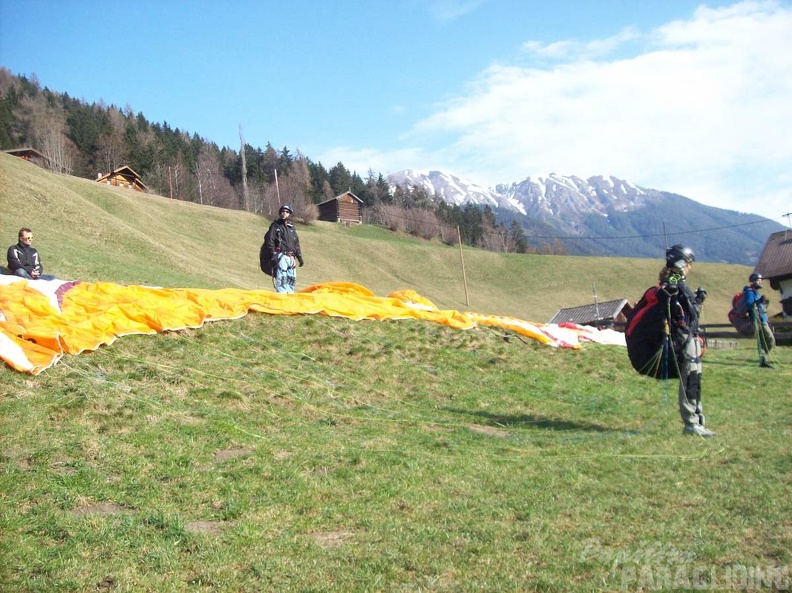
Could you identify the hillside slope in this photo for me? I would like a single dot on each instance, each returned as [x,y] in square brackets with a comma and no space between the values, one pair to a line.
[92,232]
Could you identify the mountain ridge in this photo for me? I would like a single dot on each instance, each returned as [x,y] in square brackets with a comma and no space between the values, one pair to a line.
[605,215]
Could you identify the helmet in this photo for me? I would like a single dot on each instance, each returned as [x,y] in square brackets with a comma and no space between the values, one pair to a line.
[679,255]
[753,278]
[286,207]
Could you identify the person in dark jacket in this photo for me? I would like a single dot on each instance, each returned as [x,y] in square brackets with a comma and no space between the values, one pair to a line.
[757,310]
[284,244]
[24,260]
[683,308]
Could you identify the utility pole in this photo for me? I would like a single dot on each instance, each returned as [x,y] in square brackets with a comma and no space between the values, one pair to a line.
[462,260]
[245,196]
[596,300]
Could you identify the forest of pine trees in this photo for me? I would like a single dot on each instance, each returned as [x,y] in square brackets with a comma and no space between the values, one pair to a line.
[91,140]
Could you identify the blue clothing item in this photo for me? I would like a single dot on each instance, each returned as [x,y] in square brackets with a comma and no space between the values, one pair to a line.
[765,338]
[755,304]
[286,274]
[22,273]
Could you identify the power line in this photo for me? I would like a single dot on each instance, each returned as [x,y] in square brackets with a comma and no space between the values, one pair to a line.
[688,232]
[582,238]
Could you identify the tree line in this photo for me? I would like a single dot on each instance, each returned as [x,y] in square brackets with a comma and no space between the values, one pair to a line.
[89,140]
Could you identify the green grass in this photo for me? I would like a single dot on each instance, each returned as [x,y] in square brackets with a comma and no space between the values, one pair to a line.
[315,454]
[276,453]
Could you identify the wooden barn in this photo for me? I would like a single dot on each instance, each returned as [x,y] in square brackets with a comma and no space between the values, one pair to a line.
[29,154]
[346,208]
[775,265]
[123,177]
[596,314]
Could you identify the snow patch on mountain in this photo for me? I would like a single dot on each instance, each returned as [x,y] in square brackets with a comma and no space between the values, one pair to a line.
[549,195]
[452,189]
[600,206]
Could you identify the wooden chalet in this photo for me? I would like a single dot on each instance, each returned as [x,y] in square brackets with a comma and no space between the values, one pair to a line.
[123,177]
[29,154]
[606,313]
[775,265]
[346,208]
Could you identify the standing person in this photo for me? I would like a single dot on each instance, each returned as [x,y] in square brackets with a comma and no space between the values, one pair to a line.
[683,307]
[282,241]
[757,310]
[24,260]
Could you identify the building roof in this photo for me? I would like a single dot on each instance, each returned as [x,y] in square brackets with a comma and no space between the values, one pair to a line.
[346,193]
[26,151]
[775,263]
[124,171]
[585,314]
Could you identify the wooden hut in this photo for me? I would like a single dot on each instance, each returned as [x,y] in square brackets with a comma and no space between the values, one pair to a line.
[775,265]
[29,154]
[123,177]
[346,208]
[597,314]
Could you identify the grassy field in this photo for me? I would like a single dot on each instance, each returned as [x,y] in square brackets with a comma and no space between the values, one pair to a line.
[316,454]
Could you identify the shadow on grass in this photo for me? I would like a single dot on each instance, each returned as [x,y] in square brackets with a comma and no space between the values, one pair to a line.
[731,363]
[532,421]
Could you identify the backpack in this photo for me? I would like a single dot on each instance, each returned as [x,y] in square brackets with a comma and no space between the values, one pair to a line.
[739,316]
[266,257]
[647,336]
[739,304]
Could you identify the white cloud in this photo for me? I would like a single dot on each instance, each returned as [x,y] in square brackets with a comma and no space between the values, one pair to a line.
[704,110]
[448,10]
[569,48]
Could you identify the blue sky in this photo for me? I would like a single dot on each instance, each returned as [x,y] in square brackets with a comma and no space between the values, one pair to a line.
[683,96]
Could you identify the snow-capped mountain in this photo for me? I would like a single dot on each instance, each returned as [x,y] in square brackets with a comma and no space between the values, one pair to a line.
[452,189]
[555,194]
[550,195]
[605,215]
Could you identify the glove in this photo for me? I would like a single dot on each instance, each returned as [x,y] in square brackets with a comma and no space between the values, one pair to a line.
[300,259]
[765,300]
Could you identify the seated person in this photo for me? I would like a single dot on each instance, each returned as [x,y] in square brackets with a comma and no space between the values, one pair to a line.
[24,261]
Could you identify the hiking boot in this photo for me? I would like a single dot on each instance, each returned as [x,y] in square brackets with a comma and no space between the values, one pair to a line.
[698,429]
[766,365]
